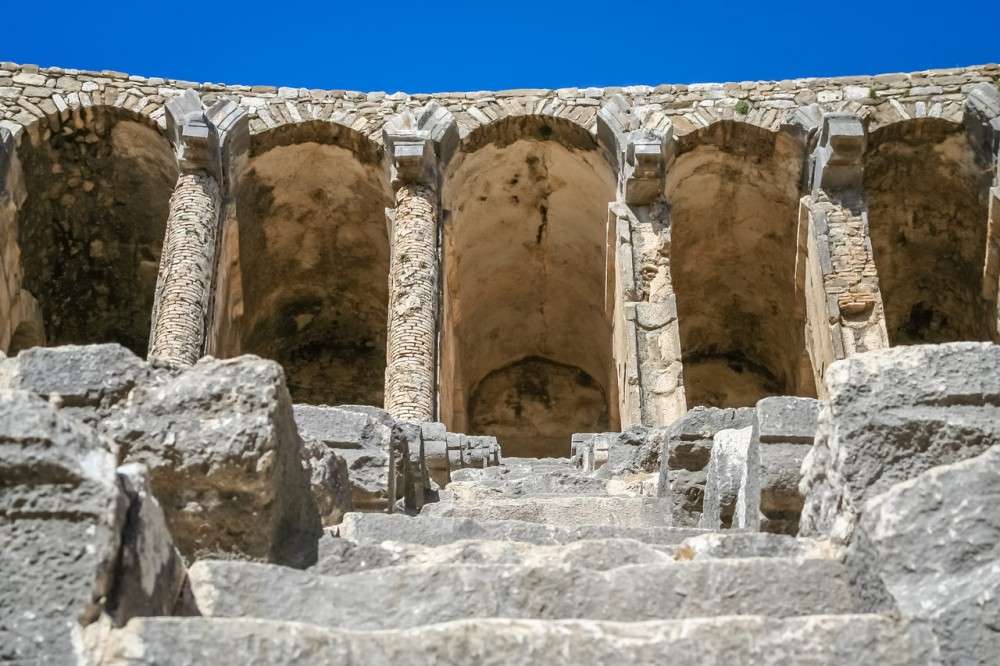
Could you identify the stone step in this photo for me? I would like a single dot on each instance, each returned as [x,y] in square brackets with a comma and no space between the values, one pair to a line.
[374,528]
[544,483]
[733,544]
[341,556]
[408,596]
[565,511]
[843,640]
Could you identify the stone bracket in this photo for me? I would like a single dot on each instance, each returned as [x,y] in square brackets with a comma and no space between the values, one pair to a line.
[982,123]
[207,139]
[420,144]
[838,158]
[640,155]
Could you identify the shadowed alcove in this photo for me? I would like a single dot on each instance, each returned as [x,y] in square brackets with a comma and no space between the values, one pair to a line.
[927,195]
[91,229]
[311,288]
[733,191]
[526,351]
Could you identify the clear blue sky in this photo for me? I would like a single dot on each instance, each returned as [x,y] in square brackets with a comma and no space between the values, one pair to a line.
[427,47]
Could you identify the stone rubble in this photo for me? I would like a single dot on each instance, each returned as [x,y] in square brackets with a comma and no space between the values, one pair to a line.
[520,561]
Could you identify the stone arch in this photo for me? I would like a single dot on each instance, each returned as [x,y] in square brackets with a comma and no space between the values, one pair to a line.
[308,262]
[733,191]
[927,190]
[97,181]
[526,346]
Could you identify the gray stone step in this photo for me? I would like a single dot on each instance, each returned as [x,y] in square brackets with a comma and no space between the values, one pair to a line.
[534,485]
[374,528]
[845,640]
[413,595]
[566,511]
[341,556]
[731,544]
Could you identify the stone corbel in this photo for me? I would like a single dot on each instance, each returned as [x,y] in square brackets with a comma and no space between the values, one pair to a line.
[420,144]
[195,139]
[982,123]
[838,158]
[640,155]
[232,127]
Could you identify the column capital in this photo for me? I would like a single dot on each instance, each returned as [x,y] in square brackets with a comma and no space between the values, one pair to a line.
[982,122]
[420,143]
[206,139]
[640,155]
[839,153]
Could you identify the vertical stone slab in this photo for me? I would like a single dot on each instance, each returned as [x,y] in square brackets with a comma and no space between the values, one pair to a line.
[732,488]
[835,266]
[418,145]
[646,334]
[185,284]
[20,315]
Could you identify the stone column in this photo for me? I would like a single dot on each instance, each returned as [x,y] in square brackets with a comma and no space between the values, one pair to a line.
[202,141]
[646,343]
[418,145]
[835,266]
[982,123]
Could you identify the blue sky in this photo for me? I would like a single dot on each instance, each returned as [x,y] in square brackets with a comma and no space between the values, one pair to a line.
[440,46]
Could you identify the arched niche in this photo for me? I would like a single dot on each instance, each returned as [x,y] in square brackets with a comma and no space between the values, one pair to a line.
[526,346]
[309,279]
[733,192]
[90,231]
[927,192]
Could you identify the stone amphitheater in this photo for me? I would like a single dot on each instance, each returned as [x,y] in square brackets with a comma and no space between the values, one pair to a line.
[700,374]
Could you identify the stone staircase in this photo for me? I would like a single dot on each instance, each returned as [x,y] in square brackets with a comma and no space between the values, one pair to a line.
[532,561]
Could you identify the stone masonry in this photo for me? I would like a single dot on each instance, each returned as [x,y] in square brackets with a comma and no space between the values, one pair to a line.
[701,373]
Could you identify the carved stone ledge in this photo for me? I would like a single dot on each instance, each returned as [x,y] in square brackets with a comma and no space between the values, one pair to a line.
[838,158]
[420,144]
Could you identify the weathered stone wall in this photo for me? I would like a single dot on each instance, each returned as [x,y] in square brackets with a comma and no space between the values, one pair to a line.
[719,275]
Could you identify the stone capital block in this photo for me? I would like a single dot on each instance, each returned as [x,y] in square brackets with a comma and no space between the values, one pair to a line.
[982,122]
[640,155]
[206,139]
[420,144]
[839,153]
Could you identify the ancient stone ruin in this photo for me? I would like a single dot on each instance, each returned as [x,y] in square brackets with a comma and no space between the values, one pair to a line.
[673,374]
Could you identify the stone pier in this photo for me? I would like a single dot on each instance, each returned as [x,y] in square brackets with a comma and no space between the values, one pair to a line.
[416,143]
[835,267]
[185,284]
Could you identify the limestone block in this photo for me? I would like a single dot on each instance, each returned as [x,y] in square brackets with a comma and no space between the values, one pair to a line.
[563,510]
[399,596]
[787,419]
[847,640]
[722,545]
[341,427]
[224,460]
[151,572]
[688,446]
[732,488]
[61,515]
[786,428]
[329,481]
[892,415]
[935,542]
[86,381]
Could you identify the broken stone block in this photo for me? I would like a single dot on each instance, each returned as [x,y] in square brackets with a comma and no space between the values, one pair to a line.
[935,543]
[732,488]
[224,459]
[435,438]
[61,515]
[786,428]
[892,415]
[87,381]
[688,446]
[151,571]
[331,486]
[347,427]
